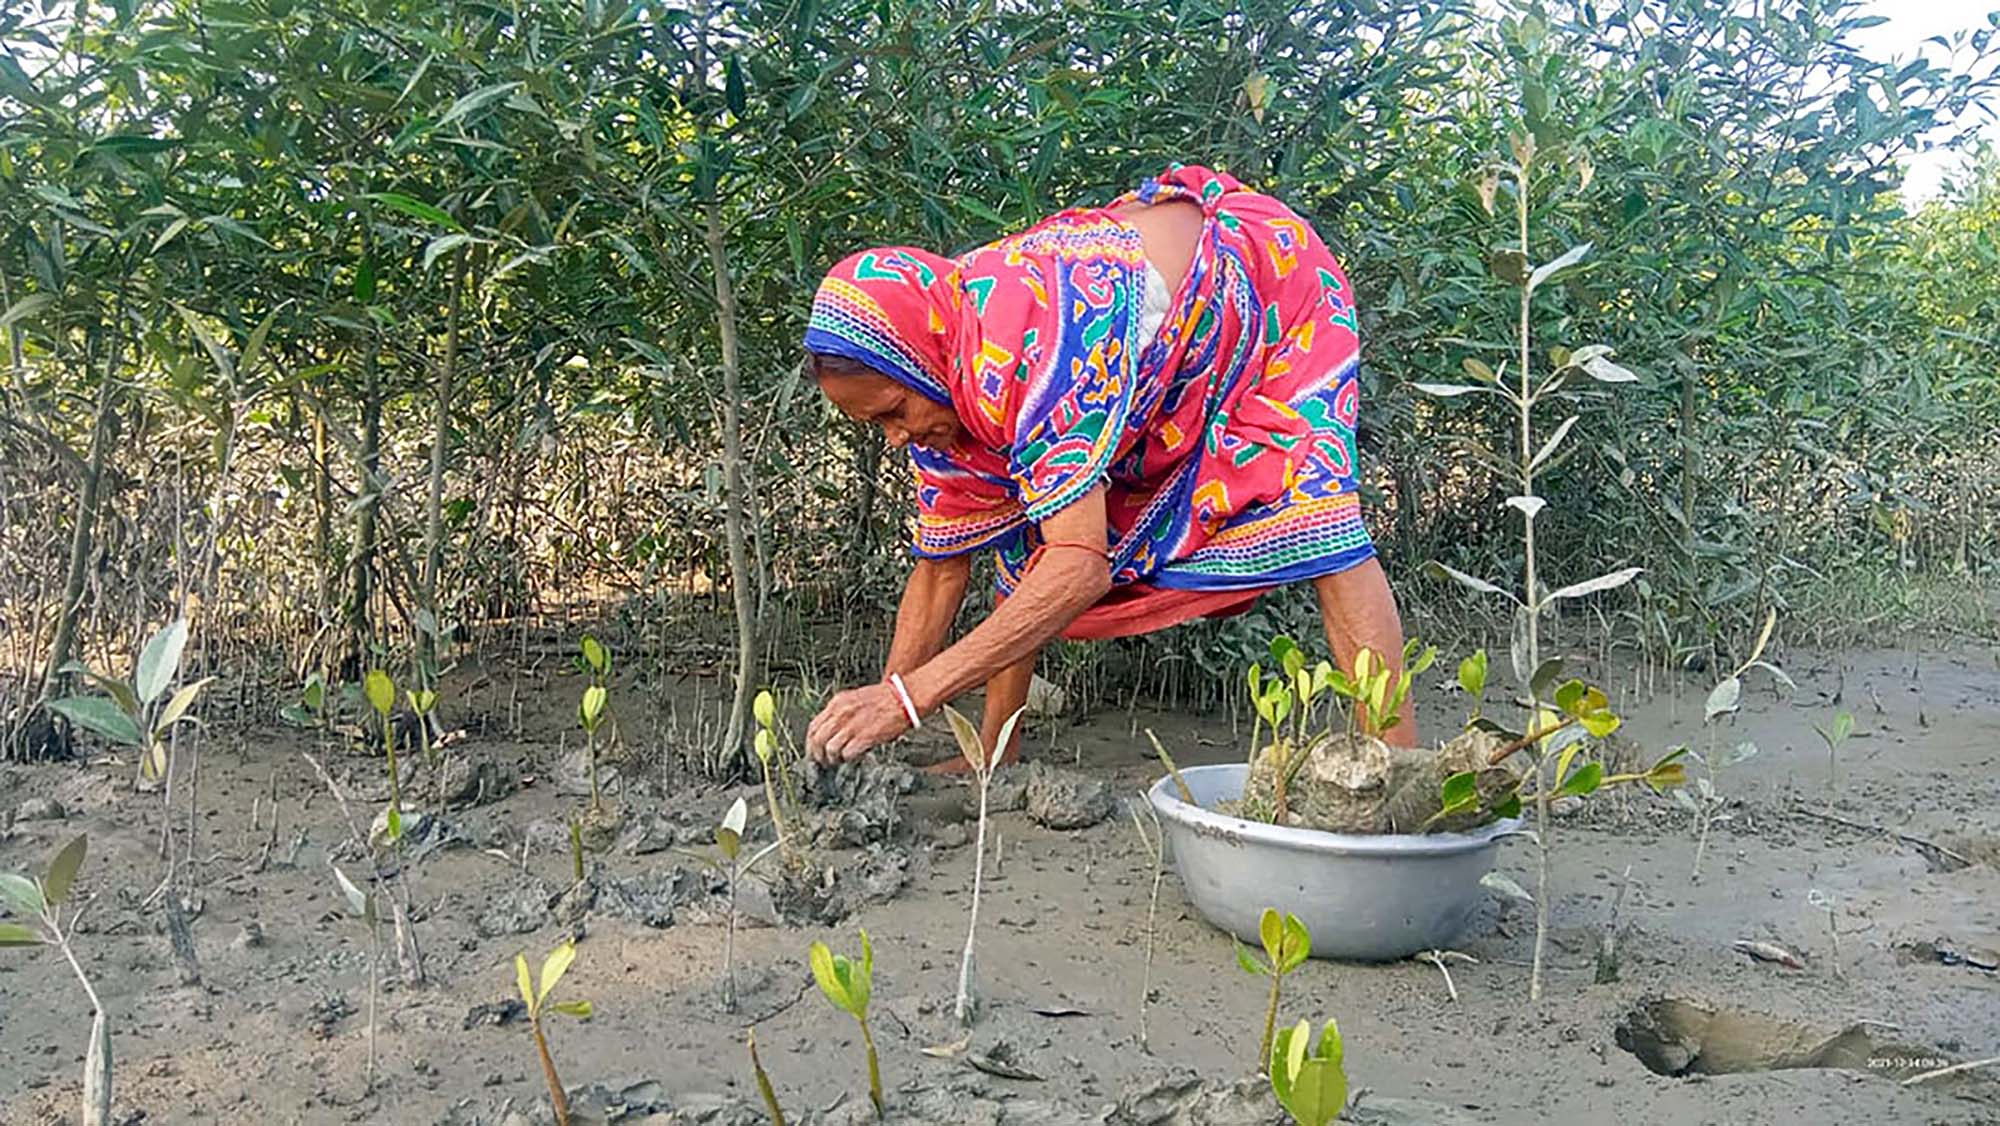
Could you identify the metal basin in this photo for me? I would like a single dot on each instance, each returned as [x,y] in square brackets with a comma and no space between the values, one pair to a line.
[1364,898]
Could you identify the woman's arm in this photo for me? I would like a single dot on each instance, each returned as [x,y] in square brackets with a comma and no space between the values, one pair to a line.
[931,598]
[1359,611]
[1062,585]
[1065,582]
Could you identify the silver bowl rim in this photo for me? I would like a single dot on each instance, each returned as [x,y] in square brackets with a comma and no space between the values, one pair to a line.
[1167,802]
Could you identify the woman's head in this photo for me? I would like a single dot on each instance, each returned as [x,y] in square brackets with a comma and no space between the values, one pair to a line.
[866,395]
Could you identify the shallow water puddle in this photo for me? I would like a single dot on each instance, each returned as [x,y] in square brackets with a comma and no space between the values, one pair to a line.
[1678,1037]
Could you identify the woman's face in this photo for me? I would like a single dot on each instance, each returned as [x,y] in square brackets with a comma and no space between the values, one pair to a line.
[905,417]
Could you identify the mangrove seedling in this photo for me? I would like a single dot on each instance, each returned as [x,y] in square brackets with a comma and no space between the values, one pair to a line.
[311,709]
[847,984]
[770,760]
[1834,737]
[537,1001]
[729,841]
[381,693]
[983,760]
[1308,1078]
[1708,804]
[133,715]
[423,701]
[362,905]
[1286,947]
[590,714]
[764,1088]
[1146,822]
[40,902]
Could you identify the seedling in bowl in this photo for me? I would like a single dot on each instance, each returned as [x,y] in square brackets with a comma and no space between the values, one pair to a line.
[40,901]
[847,985]
[1307,1078]
[983,761]
[1286,947]
[537,1001]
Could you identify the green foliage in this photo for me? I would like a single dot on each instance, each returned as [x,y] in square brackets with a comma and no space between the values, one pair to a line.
[1287,945]
[847,985]
[1308,1078]
[132,714]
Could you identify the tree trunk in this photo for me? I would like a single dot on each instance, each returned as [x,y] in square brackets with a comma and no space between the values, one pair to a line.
[64,647]
[735,500]
[427,635]
[364,519]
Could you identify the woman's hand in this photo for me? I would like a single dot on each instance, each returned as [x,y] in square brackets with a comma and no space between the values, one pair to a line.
[855,722]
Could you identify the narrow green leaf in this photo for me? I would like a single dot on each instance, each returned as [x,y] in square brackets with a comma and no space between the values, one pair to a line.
[1248,961]
[160,660]
[21,894]
[1548,270]
[526,983]
[475,101]
[555,966]
[14,934]
[581,1010]
[380,690]
[1585,781]
[415,208]
[62,870]
[26,307]
[177,706]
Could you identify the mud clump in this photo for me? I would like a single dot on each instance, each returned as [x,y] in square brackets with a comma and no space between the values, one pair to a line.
[1364,786]
[521,909]
[1064,799]
[824,894]
[855,804]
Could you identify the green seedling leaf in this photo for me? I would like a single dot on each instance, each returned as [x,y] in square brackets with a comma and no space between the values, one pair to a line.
[845,984]
[1570,696]
[160,660]
[62,870]
[1611,581]
[1550,670]
[1843,727]
[395,824]
[14,934]
[1564,761]
[599,659]
[1600,723]
[969,746]
[182,700]
[1472,674]
[581,1010]
[729,835]
[1287,655]
[1459,792]
[1465,580]
[555,966]
[1423,663]
[421,700]
[121,692]
[1312,1088]
[380,690]
[1479,370]
[21,894]
[416,208]
[1584,782]
[1723,699]
[526,983]
[766,710]
[1297,945]
[1007,728]
[1763,639]
[1547,270]
[766,744]
[99,715]
[1271,931]
[314,695]
[1508,808]
[1248,961]
[590,711]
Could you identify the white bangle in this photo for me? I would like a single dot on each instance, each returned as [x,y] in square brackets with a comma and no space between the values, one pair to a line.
[909,705]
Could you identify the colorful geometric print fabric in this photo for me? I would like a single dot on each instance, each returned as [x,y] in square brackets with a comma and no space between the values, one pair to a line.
[1226,442]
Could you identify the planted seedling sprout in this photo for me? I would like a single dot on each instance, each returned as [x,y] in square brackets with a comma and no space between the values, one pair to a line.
[537,1001]
[40,902]
[729,842]
[133,715]
[847,984]
[1287,945]
[1835,737]
[1307,1077]
[983,761]
[381,692]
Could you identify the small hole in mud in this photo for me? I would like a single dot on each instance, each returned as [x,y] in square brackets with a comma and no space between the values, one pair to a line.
[1679,1037]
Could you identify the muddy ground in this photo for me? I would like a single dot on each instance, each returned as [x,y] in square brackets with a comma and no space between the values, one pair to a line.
[277,1031]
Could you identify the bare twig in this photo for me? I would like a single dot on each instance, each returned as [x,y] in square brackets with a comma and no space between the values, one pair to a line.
[1884,830]
[1439,958]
